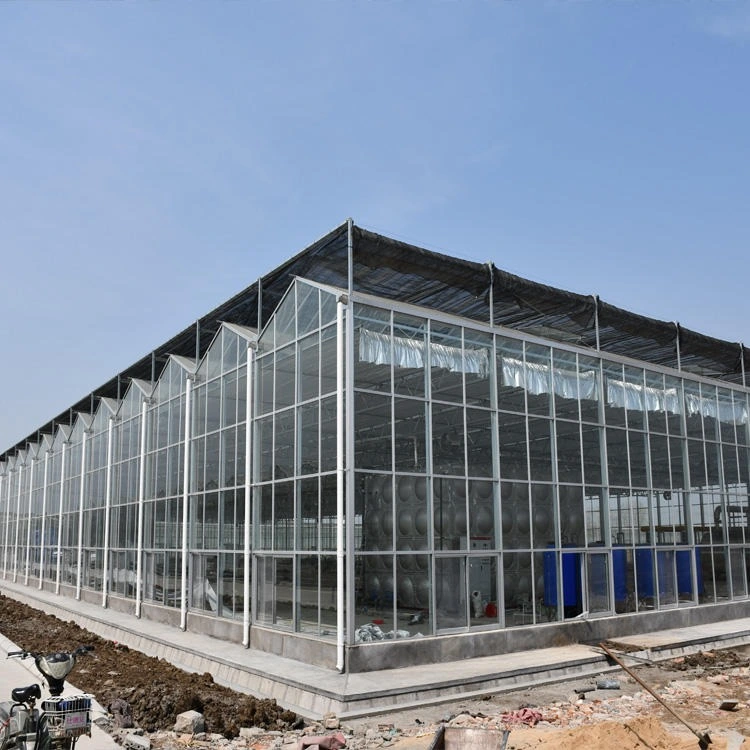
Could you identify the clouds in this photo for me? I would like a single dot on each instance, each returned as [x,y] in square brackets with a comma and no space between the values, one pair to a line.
[733,24]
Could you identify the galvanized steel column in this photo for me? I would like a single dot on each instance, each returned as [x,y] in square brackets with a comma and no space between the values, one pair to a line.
[246,560]
[141,496]
[81,497]
[107,511]
[185,499]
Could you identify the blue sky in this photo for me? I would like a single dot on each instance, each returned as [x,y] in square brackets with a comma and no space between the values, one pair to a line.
[157,157]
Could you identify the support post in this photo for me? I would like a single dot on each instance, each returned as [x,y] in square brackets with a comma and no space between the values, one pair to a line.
[58,567]
[141,498]
[107,511]
[44,520]
[81,498]
[185,500]
[246,561]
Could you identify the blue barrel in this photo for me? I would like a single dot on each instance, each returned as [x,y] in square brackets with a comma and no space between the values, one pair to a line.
[571,579]
[644,563]
[645,571]
[684,574]
[620,573]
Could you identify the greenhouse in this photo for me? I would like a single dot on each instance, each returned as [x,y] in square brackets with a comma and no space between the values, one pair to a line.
[377,445]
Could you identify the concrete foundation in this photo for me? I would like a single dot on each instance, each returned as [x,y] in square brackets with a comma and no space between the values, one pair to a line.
[439,669]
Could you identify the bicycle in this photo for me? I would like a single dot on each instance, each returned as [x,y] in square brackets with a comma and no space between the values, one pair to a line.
[61,720]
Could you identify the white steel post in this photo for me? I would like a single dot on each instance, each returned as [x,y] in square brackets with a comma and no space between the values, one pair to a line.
[5,507]
[340,483]
[27,562]
[141,495]
[81,498]
[248,491]
[185,498]
[107,511]
[18,524]
[58,568]
[44,520]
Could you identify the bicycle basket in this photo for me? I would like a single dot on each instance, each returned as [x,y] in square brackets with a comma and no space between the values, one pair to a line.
[67,716]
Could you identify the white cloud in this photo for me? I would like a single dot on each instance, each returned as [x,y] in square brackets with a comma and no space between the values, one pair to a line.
[735,25]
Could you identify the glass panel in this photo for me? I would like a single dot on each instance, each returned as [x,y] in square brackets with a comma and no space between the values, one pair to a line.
[308,515]
[309,368]
[657,407]
[540,448]
[595,515]
[660,464]
[542,515]
[285,377]
[327,308]
[636,398]
[328,518]
[538,380]
[411,513]
[265,384]
[308,438]
[565,379]
[230,346]
[597,583]
[592,454]
[478,348]
[307,597]
[483,591]
[284,444]
[328,357]
[616,396]
[511,379]
[572,516]
[450,518]
[638,472]
[372,431]
[568,452]
[515,515]
[617,457]
[448,456]
[513,447]
[693,417]
[482,515]
[517,589]
[308,317]
[373,348]
[374,596]
[409,369]
[450,596]
[447,363]
[229,407]
[410,437]
[697,463]
[588,373]
[479,442]
[674,405]
[285,317]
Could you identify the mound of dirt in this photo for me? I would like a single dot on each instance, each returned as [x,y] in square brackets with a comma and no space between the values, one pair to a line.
[647,732]
[155,690]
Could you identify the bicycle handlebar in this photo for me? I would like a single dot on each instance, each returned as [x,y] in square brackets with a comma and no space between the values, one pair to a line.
[23,654]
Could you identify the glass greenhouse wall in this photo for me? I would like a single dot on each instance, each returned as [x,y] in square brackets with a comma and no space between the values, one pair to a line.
[493,480]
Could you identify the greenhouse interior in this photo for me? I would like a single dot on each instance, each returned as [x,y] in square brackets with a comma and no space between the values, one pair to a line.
[376,444]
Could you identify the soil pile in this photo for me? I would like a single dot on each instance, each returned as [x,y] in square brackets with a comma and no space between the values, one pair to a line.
[155,690]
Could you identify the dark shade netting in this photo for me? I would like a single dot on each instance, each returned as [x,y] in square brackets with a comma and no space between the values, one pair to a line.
[397,271]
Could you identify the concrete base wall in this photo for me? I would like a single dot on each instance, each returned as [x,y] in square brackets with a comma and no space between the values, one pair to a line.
[369,657]
[294,646]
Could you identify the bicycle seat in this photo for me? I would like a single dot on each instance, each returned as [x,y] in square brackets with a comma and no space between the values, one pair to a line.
[24,694]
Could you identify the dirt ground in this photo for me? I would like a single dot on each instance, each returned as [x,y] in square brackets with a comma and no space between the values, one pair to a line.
[573,714]
[155,690]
